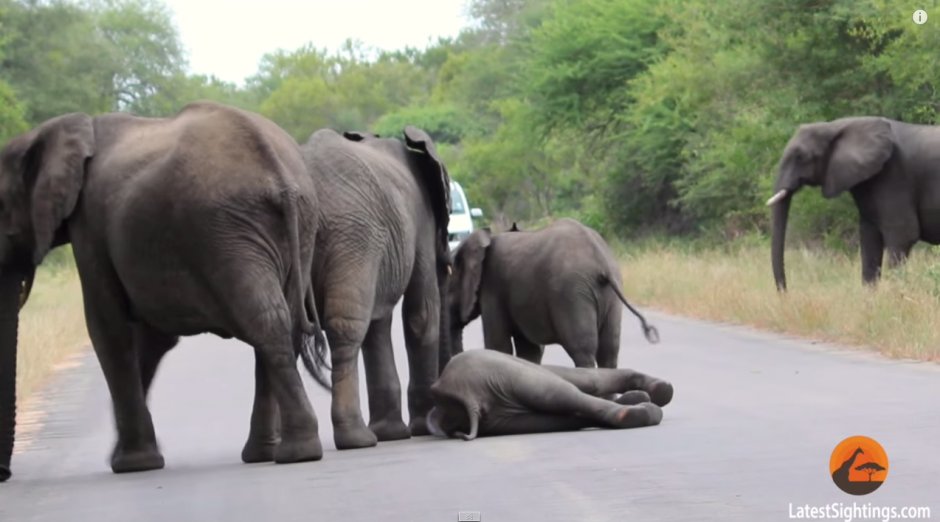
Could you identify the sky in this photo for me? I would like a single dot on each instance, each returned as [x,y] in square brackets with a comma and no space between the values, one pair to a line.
[227,38]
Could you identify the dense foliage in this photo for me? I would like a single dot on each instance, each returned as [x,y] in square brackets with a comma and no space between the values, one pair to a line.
[635,116]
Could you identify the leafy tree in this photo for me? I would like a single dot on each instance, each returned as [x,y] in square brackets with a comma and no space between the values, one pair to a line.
[11,111]
[871,468]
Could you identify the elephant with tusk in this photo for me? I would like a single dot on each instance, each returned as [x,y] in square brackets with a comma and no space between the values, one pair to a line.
[889,167]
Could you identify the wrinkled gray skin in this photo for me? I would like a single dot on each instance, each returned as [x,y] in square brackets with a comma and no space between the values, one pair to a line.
[489,393]
[891,170]
[384,211]
[201,222]
[556,285]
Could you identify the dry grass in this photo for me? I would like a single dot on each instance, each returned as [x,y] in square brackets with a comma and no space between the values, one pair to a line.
[52,326]
[825,300]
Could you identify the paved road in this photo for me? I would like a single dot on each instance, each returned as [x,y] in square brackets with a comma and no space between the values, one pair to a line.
[750,431]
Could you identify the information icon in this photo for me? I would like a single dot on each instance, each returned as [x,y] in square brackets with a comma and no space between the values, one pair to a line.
[920,16]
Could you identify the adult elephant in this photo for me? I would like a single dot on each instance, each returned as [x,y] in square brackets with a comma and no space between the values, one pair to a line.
[889,167]
[201,222]
[488,393]
[384,210]
[558,284]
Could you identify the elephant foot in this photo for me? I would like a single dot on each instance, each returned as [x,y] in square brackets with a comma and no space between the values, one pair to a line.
[638,416]
[633,397]
[419,426]
[305,449]
[355,437]
[386,430]
[147,458]
[661,394]
[5,473]
[256,451]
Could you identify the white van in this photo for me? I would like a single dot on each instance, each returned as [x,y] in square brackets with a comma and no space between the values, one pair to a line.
[461,216]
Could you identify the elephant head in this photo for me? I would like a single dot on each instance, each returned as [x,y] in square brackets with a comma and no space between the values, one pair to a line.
[41,175]
[463,291]
[835,156]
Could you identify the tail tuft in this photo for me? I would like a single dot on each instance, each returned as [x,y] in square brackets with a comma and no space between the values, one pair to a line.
[649,331]
[314,352]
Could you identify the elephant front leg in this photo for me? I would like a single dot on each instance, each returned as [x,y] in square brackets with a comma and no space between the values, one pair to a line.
[263,433]
[497,329]
[526,349]
[872,252]
[112,337]
[345,337]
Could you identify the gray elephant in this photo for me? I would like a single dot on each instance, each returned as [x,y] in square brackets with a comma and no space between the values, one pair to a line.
[489,393]
[201,222]
[888,167]
[384,211]
[556,285]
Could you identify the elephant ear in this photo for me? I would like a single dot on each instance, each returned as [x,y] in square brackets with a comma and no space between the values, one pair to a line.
[857,152]
[359,135]
[49,161]
[437,180]
[469,261]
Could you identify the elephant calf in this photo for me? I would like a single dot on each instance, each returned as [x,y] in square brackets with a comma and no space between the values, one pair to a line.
[488,393]
[560,284]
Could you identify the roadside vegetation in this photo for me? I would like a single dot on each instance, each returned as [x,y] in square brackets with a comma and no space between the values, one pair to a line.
[52,324]
[657,122]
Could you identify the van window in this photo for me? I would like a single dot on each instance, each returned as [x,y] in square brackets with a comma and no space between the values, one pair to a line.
[456,202]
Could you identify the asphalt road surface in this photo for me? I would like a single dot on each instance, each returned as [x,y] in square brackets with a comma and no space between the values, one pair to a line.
[749,433]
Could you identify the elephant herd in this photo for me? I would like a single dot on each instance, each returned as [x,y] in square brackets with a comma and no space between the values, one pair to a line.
[216,221]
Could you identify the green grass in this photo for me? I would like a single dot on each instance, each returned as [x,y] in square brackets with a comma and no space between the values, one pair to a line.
[825,301]
[52,324]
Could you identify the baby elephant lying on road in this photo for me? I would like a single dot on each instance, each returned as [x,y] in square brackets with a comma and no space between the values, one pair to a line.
[486,393]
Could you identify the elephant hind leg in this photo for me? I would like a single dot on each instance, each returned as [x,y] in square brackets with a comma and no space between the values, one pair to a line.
[638,416]
[347,310]
[526,423]
[264,429]
[606,382]
[261,318]
[382,383]
[608,339]
[556,396]
[421,311]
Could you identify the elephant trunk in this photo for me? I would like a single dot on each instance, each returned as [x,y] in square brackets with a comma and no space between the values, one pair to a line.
[13,295]
[781,211]
[474,424]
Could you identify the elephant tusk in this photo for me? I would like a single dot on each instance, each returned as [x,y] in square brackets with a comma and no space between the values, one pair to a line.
[449,271]
[777,197]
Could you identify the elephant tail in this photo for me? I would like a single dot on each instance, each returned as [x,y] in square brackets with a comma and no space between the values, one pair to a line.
[649,331]
[310,341]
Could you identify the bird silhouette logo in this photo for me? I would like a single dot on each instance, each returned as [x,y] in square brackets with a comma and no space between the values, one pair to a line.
[858,465]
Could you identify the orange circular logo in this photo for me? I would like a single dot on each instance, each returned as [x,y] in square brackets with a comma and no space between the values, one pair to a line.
[858,465]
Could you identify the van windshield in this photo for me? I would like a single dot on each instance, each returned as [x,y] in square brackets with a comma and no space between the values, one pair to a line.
[456,202]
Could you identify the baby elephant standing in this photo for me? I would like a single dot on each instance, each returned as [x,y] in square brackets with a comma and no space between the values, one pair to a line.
[557,285]
[487,393]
